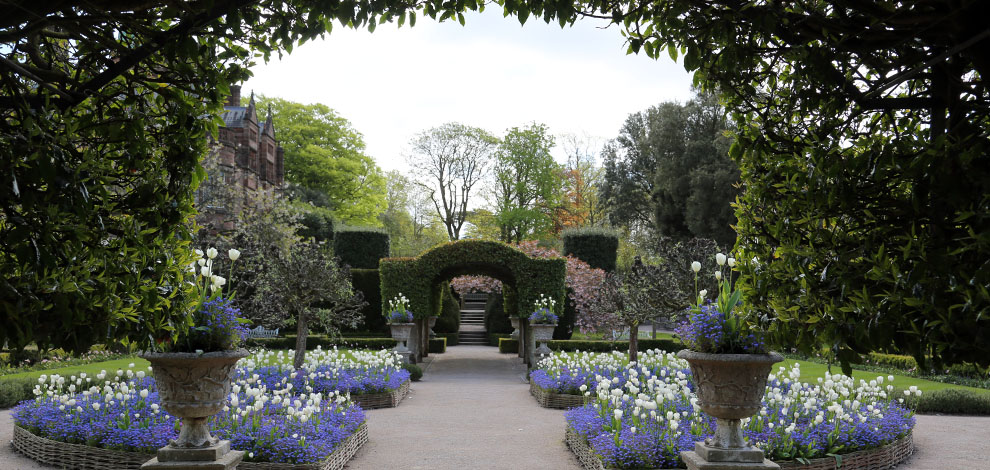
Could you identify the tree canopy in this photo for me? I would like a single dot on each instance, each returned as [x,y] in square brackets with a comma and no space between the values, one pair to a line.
[324,153]
[669,171]
[527,183]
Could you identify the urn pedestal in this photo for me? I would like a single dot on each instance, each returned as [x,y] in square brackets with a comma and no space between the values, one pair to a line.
[515,327]
[193,387]
[542,333]
[433,322]
[730,387]
[400,333]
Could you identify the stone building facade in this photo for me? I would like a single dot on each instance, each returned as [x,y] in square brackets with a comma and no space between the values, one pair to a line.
[244,158]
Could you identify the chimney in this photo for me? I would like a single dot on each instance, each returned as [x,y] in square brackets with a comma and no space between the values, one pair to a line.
[235,96]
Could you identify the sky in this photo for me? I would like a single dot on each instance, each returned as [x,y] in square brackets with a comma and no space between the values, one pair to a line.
[492,73]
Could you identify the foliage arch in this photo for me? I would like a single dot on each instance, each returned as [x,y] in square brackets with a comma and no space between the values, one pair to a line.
[419,278]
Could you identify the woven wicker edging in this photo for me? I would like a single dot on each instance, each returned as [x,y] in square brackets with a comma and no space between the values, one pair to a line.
[560,401]
[371,401]
[881,458]
[83,457]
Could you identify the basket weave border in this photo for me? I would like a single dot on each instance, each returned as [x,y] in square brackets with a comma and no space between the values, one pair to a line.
[83,457]
[391,399]
[881,458]
[559,401]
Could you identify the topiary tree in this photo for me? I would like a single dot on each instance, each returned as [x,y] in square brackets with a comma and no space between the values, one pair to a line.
[361,247]
[596,246]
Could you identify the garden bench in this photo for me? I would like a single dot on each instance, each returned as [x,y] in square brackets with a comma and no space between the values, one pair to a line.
[261,332]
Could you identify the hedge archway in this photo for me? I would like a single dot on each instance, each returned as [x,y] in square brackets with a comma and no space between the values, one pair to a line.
[419,278]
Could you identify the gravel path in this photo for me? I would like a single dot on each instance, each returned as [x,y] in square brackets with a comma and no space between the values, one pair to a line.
[472,410]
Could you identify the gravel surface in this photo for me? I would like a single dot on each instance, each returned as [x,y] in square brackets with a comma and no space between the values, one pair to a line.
[472,410]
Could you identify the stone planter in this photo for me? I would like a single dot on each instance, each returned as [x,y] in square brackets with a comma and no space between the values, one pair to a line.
[730,387]
[515,327]
[194,387]
[401,333]
[543,332]
[433,322]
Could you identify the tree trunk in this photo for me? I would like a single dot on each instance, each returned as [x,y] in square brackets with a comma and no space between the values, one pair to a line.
[634,342]
[302,330]
[425,337]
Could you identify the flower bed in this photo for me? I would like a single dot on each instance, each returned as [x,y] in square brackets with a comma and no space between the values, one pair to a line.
[643,419]
[560,401]
[577,374]
[275,414]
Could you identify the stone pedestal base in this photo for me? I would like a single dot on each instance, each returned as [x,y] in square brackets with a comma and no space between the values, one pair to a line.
[695,462]
[715,454]
[405,356]
[216,457]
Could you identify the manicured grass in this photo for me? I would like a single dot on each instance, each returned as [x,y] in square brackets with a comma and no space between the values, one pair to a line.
[90,369]
[811,371]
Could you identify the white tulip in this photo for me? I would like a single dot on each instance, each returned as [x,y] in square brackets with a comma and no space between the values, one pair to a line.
[211,253]
[731,261]
[720,259]
[201,261]
[695,266]
[233,254]
[703,293]
[205,271]
[198,252]
[718,275]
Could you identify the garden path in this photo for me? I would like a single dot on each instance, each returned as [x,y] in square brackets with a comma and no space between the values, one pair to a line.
[472,410]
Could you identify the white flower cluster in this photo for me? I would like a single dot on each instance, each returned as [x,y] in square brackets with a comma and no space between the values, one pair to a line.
[398,304]
[205,264]
[545,302]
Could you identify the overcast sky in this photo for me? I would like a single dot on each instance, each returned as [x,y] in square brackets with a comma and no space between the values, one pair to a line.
[491,73]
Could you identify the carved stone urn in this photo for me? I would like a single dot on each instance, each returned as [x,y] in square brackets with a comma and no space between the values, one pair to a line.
[401,333]
[515,327]
[730,387]
[543,332]
[194,387]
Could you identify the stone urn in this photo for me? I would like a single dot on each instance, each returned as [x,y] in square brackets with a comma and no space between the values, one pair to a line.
[401,333]
[194,387]
[543,332]
[433,322]
[730,387]
[515,327]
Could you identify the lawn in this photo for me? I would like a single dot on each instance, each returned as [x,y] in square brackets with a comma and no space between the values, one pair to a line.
[811,371]
[89,369]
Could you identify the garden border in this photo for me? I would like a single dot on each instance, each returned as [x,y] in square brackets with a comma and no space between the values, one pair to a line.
[881,458]
[559,401]
[371,401]
[83,457]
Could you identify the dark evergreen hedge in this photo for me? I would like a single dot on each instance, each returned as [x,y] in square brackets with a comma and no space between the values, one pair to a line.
[496,321]
[452,338]
[596,246]
[361,247]
[368,282]
[507,345]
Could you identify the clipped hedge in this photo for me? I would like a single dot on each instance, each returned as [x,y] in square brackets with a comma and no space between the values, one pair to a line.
[508,345]
[596,246]
[950,401]
[16,390]
[418,278]
[438,345]
[452,338]
[361,247]
[495,338]
[368,282]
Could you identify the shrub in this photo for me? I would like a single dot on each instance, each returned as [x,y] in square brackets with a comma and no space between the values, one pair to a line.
[438,345]
[361,247]
[317,223]
[508,345]
[494,339]
[895,361]
[450,312]
[451,338]
[496,321]
[415,372]
[368,283]
[16,390]
[596,246]
[951,401]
